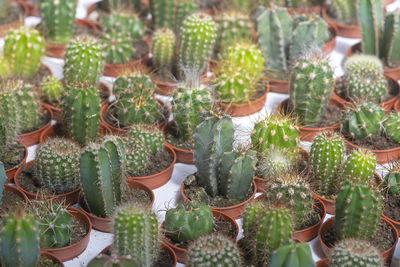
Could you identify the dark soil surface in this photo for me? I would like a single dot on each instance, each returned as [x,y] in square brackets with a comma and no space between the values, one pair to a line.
[391,207]
[173,137]
[10,203]
[136,196]
[164,259]
[157,163]
[13,155]
[79,232]
[14,12]
[377,141]
[43,120]
[46,262]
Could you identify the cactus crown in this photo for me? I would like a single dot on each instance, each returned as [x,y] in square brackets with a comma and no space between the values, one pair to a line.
[391,180]
[152,137]
[390,127]
[292,254]
[118,47]
[359,166]
[125,21]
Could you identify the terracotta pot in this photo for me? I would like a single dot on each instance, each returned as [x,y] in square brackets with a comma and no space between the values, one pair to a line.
[308,234]
[235,211]
[13,189]
[396,106]
[123,132]
[181,252]
[52,257]
[4,28]
[386,255]
[323,263]
[105,224]
[69,252]
[11,171]
[182,155]
[31,138]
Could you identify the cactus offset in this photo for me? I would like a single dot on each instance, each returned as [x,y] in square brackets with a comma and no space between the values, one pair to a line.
[359,166]
[391,127]
[121,20]
[151,137]
[163,49]
[52,89]
[118,47]
[292,254]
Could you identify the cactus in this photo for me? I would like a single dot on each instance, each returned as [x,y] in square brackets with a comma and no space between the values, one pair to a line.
[163,49]
[23,50]
[84,60]
[392,180]
[391,39]
[198,34]
[3,180]
[102,175]
[151,137]
[345,10]
[163,13]
[58,19]
[213,250]
[103,260]
[359,165]
[292,254]
[118,47]
[188,221]
[355,252]
[109,5]
[136,234]
[4,5]
[124,21]
[52,89]
[137,157]
[311,84]
[265,228]
[326,156]
[4,69]
[363,120]
[358,211]
[19,240]
[81,113]
[57,165]
[183,8]
[391,126]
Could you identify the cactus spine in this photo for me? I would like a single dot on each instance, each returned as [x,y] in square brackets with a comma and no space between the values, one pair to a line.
[292,254]
[391,126]
[123,21]
[151,137]
[163,13]
[52,89]
[137,157]
[163,48]
[359,166]
[118,47]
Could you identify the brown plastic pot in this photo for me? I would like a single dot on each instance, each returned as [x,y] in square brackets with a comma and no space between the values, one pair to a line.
[323,263]
[29,139]
[182,155]
[11,171]
[69,252]
[57,261]
[105,224]
[181,252]
[386,255]
[235,211]
[396,106]
[4,28]
[308,234]
[13,189]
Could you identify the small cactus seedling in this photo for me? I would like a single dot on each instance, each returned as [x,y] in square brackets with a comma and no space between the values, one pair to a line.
[163,49]
[391,127]
[359,166]
[293,255]
[103,260]
[151,137]
[124,21]
[52,89]
[118,47]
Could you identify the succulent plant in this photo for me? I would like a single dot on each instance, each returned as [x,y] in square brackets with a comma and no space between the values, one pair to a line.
[162,13]
[118,46]
[152,137]
[292,254]
[19,240]
[57,165]
[358,211]
[391,180]
[4,68]
[137,157]
[84,60]
[359,165]
[188,221]
[326,157]
[163,49]
[355,252]
[23,50]
[136,234]
[58,19]
[124,21]
[362,120]
[109,5]
[183,8]
[103,260]
[391,126]
[3,180]
[213,250]
[52,89]
[345,10]
[102,174]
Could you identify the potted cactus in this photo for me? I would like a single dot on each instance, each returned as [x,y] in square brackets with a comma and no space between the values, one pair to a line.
[292,254]
[12,15]
[391,194]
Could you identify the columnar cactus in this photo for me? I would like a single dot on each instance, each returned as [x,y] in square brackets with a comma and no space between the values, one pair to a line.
[84,60]
[362,120]
[358,211]
[52,89]
[213,250]
[311,84]
[163,49]
[391,126]
[292,254]
[355,252]
[118,47]
[124,21]
[345,10]
[188,221]
[359,165]
[81,113]
[326,156]
[28,105]
[19,240]
[198,34]
[57,165]
[391,39]
[152,137]
[136,234]
[23,49]
[103,260]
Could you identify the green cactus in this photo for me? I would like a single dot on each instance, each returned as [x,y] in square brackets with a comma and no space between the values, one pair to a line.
[52,89]
[163,13]
[84,60]
[213,250]
[109,5]
[4,5]
[4,69]
[359,165]
[81,113]
[152,137]
[103,260]
[58,19]
[391,126]
[137,157]
[198,34]
[292,254]
[19,240]
[124,21]
[391,180]
[362,120]
[118,47]
[57,165]
[326,156]
[163,49]
[358,211]
[345,10]
[23,50]
[188,221]
[389,44]
[3,180]
[136,234]
[183,8]
[102,175]
[355,252]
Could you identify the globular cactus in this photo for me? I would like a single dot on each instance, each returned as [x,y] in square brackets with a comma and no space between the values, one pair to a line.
[326,157]
[81,113]
[213,250]
[137,157]
[266,228]
[292,254]
[362,120]
[23,49]
[118,47]
[19,240]
[188,221]
[355,252]
[345,10]
[136,234]
[151,137]
[52,89]
[391,180]
[57,165]
[197,38]
[103,260]
[391,127]
[58,19]
[311,84]
[124,21]
[102,175]
[84,60]
[163,49]
[4,68]
[189,104]
[358,211]
[359,166]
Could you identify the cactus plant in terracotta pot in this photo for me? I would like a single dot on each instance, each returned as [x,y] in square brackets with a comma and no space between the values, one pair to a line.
[12,15]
